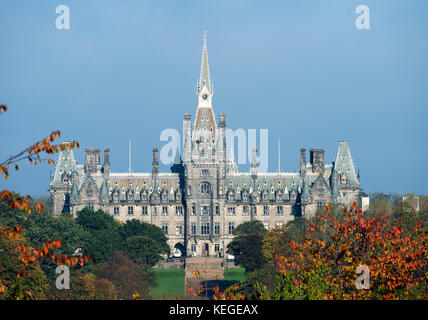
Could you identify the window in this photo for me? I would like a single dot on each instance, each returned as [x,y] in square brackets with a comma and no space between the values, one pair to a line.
[205,188]
[130,196]
[90,206]
[217,210]
[193,247]
[216,247]
[144,211]
[278,224]
[155,211]
[130,211]
[115,197]
[231,211]
[165,227]
[89,192]
[179,228]
[254,211]
[231,227]
[216,228]
[193,209]
[205,210]
[320,192]
[279,211]
[205,173]
[205,228]
[179,210]
[265,210]
[245,210]
[193,228]
[344,196]
[164,210]
[320,205]
[116,211]
[266,225]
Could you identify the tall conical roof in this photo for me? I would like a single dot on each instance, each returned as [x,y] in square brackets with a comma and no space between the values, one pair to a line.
[205,78]
[344,164]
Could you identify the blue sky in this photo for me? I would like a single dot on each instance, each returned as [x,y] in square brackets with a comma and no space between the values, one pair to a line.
[298,68]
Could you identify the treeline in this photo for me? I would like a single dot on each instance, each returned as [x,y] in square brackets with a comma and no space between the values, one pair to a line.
[122,255]
[317,258]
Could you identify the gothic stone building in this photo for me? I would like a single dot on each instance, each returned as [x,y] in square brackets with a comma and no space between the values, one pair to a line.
[204,197]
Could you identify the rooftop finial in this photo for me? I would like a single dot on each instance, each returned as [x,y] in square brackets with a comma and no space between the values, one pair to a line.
[205,38]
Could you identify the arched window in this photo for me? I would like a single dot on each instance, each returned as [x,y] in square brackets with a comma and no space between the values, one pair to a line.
[205,188]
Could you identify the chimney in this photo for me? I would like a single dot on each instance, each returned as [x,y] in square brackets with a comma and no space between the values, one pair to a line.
[92,160]
[106,167]
[254,165]
[155,164]
[317,160]
[303,163]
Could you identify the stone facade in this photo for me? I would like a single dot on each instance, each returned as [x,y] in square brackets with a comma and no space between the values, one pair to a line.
[204,197]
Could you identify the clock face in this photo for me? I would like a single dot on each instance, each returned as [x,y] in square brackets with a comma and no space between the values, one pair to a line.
[205,96]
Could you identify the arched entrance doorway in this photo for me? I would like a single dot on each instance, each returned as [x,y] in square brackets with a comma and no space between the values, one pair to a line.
[205,249]
[179,250]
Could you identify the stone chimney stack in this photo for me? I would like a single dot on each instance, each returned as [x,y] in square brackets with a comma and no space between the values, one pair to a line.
[92,161]
[303,163]
[254,165]
[155,164]
[317,160]
[106,167]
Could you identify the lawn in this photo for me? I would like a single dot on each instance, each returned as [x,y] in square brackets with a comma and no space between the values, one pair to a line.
[171,284]
[235,274]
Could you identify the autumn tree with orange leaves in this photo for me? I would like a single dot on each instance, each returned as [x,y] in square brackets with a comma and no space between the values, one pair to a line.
[324,264]
[11,238]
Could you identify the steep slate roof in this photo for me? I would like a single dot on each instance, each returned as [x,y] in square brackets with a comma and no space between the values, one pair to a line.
[65,166]
[344,164]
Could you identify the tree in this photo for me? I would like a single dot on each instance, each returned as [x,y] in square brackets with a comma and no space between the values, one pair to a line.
[32,286]
[145,250]
[247,245]
[27,256]
[324,265]
[128,277]
[105,234]
[406,214]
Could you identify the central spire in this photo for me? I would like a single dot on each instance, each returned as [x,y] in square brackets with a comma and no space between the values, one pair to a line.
[205,79]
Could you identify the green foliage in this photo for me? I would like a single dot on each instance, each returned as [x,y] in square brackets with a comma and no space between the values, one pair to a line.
[250,227]
[33,285]
[127,276]
[247,245]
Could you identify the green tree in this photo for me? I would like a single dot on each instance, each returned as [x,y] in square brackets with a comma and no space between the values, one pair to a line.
[145,250]
[105,233]
[127,276]
[247,245]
